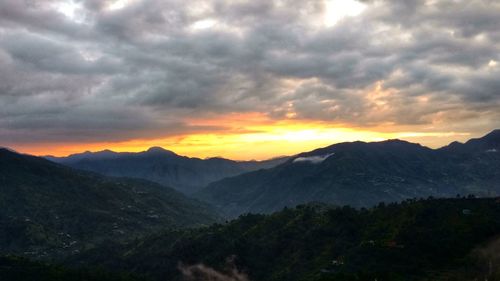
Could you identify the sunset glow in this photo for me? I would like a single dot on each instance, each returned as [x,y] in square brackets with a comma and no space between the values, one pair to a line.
[252,136]
[249,140]
[244,79]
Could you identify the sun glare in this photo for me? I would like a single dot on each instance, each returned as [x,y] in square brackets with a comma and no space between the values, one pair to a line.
[203,24]
[336,10]
[68,9]
[119,4]
[267,138]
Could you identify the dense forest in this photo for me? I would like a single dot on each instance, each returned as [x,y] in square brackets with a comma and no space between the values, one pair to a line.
[362,174]
[49,210]
[75,225]
[433,239]
[249,140]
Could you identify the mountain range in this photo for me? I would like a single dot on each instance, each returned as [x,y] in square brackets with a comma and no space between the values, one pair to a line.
[185,174]
[94,222]
[50,210]
[363,174]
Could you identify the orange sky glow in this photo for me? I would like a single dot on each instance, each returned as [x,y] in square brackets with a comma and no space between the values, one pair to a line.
[225,79]
[251,136]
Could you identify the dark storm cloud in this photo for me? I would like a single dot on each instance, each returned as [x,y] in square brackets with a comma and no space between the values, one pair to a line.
[108,70]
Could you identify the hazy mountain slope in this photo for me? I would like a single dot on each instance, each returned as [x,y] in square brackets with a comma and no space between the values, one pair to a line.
[165,167]
[413,240]
[488,143]
[49,209]
[361,174]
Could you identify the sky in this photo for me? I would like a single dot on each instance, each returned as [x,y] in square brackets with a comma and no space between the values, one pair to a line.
[245,79]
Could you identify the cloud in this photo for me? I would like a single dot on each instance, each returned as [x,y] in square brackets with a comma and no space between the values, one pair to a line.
[109,71]
[312,159]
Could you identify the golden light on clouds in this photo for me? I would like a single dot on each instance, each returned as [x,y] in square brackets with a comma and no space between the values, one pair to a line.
[253,136]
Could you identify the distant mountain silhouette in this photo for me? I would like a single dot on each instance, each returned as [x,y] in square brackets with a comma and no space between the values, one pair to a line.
[163,166]
[490,143]
[363,174]
[49,210]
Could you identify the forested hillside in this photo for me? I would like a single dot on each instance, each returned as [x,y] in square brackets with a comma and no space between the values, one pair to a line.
[363,174]
[49,210]
[182,173]
[438,239]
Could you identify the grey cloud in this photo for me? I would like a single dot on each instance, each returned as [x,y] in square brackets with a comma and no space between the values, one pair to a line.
[114,73]
[38,16]
[99,123]
[53,56]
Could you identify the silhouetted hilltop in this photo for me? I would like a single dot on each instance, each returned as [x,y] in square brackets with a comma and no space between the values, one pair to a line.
[50,210]
[163,166]
[363,174]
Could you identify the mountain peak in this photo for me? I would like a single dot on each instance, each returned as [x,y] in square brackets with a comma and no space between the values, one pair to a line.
[493,135]
[159,150]
[89,154]
[9,153]
[484,143]
[6,149]
[490,140]
[396,142]
[105,152]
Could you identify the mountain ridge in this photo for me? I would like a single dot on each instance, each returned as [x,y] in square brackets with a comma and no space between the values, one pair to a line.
[490,141]
[50,210]
[186,174]
[362,174]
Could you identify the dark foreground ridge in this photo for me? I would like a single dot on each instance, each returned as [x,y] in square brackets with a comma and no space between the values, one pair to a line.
[49,210]
[434,239]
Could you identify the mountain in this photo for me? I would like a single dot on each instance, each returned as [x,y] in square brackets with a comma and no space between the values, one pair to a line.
[416,240]
[49,210]
[363,174]
[488,143]
[162,166]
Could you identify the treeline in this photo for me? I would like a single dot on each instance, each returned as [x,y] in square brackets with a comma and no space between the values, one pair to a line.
[433,239]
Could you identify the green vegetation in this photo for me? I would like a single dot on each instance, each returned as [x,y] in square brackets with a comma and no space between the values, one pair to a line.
[51,211]
[438,239]
[363,174]
[185,174]
[100,227]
